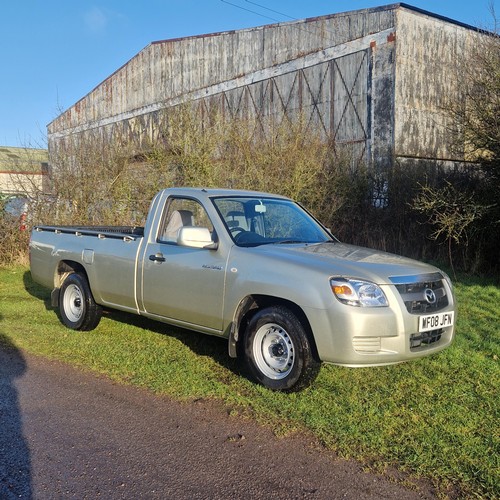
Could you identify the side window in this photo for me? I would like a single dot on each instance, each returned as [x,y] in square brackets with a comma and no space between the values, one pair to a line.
[182,212]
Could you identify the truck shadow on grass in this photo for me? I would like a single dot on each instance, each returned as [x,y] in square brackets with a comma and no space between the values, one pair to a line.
[210,346]
[37,291]
[202,345]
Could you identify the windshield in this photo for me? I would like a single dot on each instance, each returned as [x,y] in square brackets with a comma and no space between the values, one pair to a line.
[259,221]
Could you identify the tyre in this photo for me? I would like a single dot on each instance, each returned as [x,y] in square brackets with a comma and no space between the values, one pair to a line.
[278,352]
[78,308]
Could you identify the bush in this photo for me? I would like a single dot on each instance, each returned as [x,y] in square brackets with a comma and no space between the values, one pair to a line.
[13,240]
[287,159]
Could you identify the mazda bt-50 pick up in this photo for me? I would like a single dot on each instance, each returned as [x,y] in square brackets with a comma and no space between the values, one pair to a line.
[258,270]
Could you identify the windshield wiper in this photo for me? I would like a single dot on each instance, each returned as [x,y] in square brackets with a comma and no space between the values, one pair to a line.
[289,242]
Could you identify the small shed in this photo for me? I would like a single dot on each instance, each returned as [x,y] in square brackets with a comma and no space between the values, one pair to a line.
[23,171]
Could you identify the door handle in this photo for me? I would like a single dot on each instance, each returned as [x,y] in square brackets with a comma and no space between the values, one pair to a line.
[157,257]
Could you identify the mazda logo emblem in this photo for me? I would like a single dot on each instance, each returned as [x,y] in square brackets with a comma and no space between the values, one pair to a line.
[430,296]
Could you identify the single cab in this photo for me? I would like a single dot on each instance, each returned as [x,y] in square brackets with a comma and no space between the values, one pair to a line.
[254,268]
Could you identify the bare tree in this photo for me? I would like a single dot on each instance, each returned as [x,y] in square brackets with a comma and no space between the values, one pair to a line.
[463,208]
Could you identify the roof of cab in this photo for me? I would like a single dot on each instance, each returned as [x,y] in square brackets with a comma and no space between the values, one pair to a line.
[216,192]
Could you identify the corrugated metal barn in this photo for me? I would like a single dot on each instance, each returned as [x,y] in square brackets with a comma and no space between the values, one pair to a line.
[376,80]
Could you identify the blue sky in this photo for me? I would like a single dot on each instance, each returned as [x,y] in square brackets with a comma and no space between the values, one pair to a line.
[54,52]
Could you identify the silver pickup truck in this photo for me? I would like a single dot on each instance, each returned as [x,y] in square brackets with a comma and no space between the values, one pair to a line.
[256,269]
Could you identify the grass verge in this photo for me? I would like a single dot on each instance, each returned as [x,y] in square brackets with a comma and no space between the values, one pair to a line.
[437,417]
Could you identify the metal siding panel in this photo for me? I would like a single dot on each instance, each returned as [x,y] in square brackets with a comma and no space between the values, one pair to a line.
[166,70]
[350,100]
[229,55]
[428,51]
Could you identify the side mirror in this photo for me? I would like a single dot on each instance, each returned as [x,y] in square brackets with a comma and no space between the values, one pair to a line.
[196,237]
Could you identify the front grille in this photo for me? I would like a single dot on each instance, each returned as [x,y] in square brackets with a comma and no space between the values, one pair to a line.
[415,293]
[425,338]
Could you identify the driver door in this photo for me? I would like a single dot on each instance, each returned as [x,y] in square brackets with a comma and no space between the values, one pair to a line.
[182,283]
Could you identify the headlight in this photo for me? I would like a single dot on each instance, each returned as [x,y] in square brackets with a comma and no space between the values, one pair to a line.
[448,279]
[358,293]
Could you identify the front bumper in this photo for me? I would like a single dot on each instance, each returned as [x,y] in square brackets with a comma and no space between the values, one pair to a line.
[357,337]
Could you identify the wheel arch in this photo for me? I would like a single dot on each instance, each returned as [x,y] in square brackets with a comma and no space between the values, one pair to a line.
[250,305]
[65,267]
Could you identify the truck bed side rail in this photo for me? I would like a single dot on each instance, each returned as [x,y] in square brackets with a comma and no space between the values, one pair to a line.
[112,232]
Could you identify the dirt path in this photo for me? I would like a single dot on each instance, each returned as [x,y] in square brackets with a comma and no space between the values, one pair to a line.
[65,433]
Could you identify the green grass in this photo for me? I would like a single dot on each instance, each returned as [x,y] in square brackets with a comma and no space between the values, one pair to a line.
[437,417]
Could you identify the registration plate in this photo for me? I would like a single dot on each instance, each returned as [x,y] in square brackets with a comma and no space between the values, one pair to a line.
[435,321]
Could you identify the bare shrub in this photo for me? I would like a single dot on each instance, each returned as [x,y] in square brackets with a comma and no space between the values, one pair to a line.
[91,184]
[95,182]
[287,158]
[14,238]
[453,214]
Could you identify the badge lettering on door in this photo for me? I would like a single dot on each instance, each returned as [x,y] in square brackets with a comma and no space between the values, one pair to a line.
[216,268]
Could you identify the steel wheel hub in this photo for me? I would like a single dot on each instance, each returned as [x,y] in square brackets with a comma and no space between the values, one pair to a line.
[273,351]
[73,303]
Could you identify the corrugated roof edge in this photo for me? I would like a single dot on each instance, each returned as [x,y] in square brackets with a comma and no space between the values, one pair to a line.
[444,18]
[391,6]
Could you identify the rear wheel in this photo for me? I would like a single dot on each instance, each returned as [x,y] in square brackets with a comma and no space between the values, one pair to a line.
[78,308]
[278,352]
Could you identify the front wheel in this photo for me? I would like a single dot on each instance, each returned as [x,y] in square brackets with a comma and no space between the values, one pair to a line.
[78,308]
[278,352]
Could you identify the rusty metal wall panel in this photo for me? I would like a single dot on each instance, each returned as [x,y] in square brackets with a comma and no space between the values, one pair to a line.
[375,81]
[171,68]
